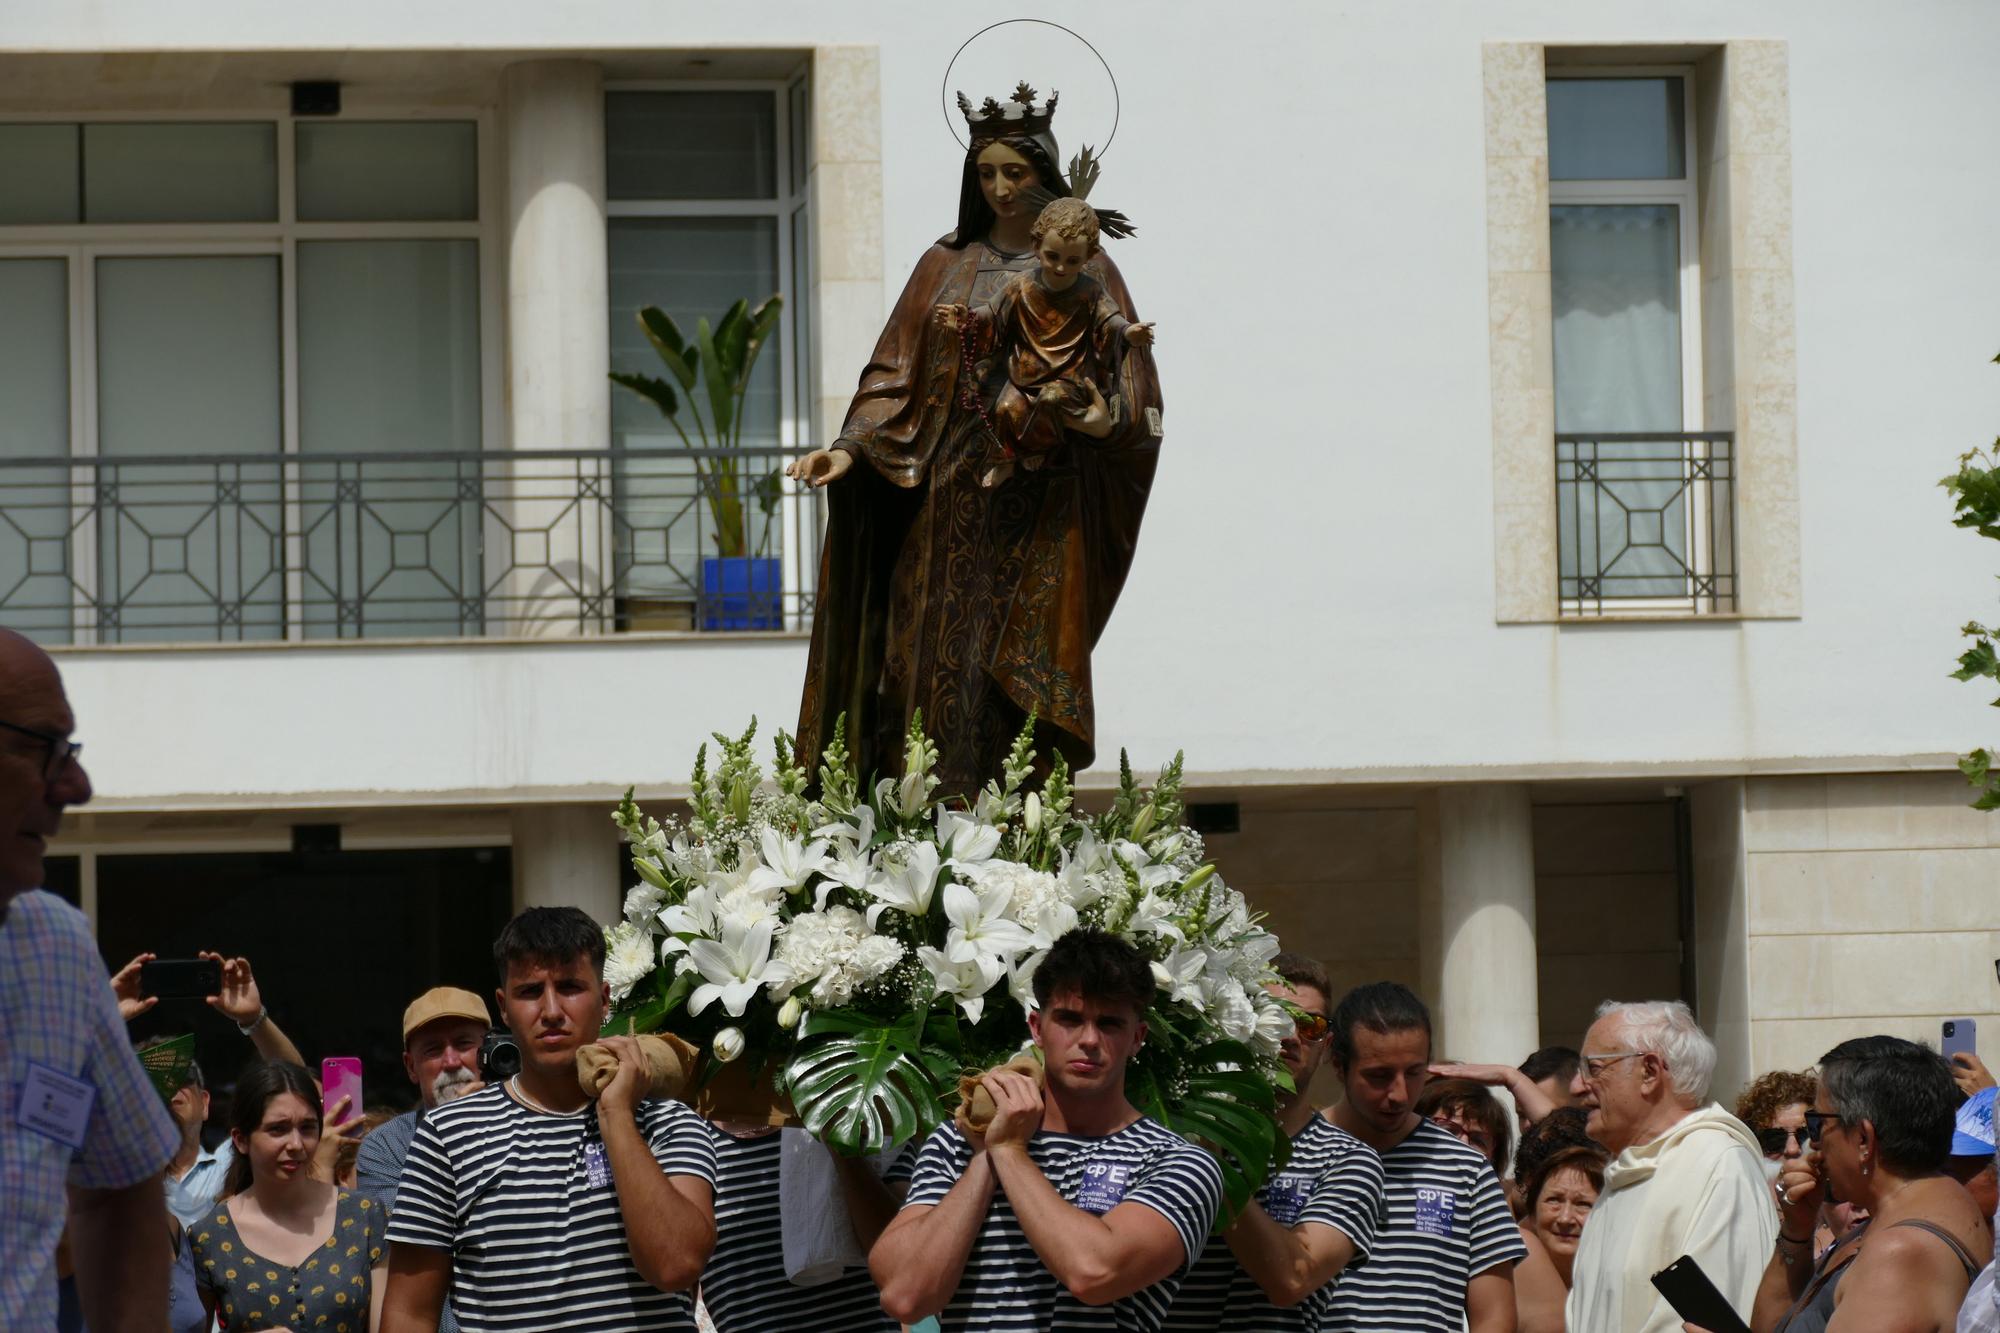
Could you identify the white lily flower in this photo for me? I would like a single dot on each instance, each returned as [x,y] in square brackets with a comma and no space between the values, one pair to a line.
[697,915]
[1031,814]
[980,925]
[1089,855]
[967,982]
[788,862]
[1152,874]
[1021,978]
[966,841]
[728,1044]
[856,836]
[1180,974]
[1154,915]
[906,881]
[988,808]
[734,967]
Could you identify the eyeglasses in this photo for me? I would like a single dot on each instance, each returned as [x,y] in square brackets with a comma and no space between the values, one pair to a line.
[1311,1026]
[1477,1138]
[1775,1139]
[62,751]
[1595,1065]
[1816,1123]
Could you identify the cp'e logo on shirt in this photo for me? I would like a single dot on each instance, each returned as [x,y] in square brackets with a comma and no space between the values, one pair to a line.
[1436,1210]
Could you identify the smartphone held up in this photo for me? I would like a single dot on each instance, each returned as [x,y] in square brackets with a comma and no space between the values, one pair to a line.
[180,978]
[340,1079]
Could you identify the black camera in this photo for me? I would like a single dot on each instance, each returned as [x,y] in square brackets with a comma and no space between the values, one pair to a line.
[499,1056]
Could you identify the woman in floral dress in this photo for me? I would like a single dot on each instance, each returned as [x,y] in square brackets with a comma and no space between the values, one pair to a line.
[282,1250]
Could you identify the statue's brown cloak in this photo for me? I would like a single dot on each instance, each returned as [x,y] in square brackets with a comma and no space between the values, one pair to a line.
[975,606]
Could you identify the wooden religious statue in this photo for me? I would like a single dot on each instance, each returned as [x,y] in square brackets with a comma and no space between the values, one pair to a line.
[988,482]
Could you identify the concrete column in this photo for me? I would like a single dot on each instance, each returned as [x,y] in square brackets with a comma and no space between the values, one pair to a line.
[567,856]
[558,342]
[1476,921]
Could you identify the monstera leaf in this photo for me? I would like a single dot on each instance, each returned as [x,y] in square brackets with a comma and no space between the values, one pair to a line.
[1227,1106]
[860,1087]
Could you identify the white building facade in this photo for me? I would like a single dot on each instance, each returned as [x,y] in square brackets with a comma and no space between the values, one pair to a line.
[1545,578]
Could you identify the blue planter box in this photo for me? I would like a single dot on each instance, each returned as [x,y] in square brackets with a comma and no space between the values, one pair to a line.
[741,592]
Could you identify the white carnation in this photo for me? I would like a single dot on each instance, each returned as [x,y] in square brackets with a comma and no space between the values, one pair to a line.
[628,958]
[834,951]
[642,903]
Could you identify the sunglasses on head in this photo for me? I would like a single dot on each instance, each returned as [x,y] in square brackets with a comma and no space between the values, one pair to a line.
[1775,1139]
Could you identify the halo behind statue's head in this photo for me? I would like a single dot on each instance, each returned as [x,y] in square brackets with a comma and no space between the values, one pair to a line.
[1022,124]
[1036,46]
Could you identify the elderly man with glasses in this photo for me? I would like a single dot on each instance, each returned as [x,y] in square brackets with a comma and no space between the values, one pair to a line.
[1688,1178]
[81,1130]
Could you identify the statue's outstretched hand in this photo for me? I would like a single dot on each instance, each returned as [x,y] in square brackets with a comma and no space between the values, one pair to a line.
[820,467]
[1139,335]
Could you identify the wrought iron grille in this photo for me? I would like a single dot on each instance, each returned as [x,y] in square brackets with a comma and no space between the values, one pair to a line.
[229,547]
[1646,523]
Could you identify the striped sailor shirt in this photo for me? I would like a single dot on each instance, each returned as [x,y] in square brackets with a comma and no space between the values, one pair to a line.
[1331,1178]
[1447,1222]
[525,1202]
[1005,1285]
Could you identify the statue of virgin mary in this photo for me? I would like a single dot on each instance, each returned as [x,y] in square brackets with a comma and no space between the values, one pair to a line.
[975,606]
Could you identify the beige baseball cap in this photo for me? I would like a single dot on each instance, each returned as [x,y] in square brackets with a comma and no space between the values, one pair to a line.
[443,1002]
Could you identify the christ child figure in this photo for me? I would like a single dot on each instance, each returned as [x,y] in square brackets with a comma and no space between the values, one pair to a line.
[1061,334]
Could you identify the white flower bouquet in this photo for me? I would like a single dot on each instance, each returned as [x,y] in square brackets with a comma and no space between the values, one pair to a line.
[859,949]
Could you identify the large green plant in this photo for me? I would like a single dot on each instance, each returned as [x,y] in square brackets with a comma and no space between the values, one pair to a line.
[721,359]
[1975,492]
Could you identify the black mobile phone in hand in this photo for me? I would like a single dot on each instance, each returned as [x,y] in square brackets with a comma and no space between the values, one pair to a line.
[180,978]
[1695,1298]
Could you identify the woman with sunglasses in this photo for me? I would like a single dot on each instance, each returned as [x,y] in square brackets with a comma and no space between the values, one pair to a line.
[1877,1135]
[1774,1107]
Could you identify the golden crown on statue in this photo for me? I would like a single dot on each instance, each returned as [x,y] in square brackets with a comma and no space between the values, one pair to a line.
[1017,115]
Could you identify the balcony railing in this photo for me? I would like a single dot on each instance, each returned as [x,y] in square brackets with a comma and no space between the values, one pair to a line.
[236,547]
[1646,523]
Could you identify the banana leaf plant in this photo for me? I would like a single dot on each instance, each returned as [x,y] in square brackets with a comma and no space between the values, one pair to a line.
[719,360]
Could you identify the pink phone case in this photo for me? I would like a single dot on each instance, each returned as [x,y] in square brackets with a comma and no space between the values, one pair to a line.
[340,1076]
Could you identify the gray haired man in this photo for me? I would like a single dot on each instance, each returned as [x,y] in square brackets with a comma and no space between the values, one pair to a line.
[1688,1178]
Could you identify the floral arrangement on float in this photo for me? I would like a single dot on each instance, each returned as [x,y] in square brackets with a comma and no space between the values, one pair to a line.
[850,955]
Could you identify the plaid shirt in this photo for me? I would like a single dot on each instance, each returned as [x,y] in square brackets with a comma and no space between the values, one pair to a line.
[57,1011]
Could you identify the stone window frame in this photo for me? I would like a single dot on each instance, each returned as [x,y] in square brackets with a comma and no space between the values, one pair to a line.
[1749,365]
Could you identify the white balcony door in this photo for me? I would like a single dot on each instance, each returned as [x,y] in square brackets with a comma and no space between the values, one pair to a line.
[1624,282]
